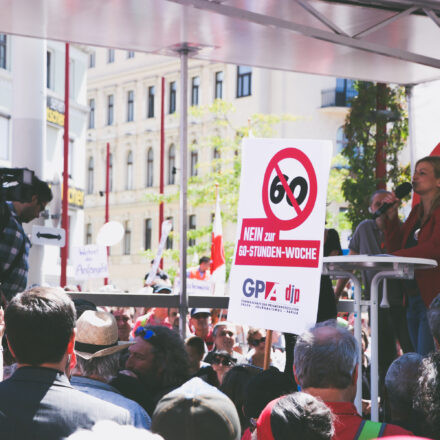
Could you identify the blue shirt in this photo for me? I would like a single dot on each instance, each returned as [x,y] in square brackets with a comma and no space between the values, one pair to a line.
[13,238]
[106,392]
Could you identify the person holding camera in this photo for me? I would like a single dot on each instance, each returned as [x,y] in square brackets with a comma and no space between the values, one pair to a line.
[14,243]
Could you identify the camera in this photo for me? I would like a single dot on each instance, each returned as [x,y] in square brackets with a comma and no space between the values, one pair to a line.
[16,185]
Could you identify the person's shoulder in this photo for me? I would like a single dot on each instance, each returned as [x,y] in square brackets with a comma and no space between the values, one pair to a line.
[396,430]
[368,223]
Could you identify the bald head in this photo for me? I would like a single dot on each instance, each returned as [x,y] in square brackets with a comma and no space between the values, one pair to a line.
[325,357]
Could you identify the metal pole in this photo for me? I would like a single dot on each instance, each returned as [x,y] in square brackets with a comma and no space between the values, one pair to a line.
[65,209]
[183,185]
[107,191]
[162,157]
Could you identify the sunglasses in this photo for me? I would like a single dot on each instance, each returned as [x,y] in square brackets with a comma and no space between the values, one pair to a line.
[145,333]
[223,361]
[257,342]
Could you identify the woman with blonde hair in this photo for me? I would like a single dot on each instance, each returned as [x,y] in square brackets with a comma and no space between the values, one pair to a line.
[419,237]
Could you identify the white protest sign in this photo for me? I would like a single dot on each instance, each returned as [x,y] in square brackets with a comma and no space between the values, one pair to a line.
[90,261]
[275,277]
[194,286]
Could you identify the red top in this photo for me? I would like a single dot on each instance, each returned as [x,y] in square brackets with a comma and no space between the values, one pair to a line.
[396,235]
[347,422]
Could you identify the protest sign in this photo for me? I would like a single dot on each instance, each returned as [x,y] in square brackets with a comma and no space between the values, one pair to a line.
[275,278]
[90,261]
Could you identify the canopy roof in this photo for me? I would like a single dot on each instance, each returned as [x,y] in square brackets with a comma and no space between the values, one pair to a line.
[386,40]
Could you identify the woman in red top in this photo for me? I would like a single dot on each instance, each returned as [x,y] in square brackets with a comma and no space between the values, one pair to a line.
[419,237]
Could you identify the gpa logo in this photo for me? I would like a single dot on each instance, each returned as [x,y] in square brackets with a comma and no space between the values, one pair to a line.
[268,290]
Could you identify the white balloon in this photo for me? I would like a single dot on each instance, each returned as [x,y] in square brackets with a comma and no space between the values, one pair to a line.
[110,234]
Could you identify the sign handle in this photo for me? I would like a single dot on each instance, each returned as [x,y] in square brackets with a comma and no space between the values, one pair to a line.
[267,350]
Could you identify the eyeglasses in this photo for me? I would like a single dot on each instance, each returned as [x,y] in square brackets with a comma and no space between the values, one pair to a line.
[257,342]
[223,361]
[146,333]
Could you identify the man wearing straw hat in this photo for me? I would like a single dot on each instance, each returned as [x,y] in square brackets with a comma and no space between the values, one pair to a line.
[37,402]
[98,349]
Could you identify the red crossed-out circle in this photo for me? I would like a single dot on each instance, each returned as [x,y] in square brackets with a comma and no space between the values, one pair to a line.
[301,214]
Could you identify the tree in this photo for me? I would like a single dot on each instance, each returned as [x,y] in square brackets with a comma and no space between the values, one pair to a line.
[360,150]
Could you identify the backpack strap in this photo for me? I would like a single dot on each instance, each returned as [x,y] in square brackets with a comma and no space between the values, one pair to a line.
[370,430]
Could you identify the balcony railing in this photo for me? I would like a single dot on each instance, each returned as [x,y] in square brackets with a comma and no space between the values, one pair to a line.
[337,98]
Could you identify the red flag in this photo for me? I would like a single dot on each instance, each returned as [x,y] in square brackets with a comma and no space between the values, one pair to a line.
[217,250]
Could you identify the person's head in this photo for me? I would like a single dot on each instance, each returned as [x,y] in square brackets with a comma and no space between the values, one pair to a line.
[263,388]
[41,196]
[426,180]
[222,362]
[224,336]
[158,357]
[427,395]
[434,320]
[123,316]
[195,347]
[196,411]
[81,305]
[297,416]
[40,326]
[326,357]
[377,200]
[256,338]
[201,321]
[174,317]
[400,385]
[204,264]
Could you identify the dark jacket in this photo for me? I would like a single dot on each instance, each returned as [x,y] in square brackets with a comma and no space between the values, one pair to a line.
[40,404]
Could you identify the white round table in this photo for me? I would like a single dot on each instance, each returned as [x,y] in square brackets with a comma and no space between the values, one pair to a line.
[385,266]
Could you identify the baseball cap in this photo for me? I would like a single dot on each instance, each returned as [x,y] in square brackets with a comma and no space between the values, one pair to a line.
[200,312]
[196,411]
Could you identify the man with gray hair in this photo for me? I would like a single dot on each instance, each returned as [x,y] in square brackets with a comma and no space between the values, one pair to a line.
[434,320]
[326,366]
[98,350]
[400,385]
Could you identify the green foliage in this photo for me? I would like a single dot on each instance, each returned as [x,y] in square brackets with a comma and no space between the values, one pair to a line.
[360,130]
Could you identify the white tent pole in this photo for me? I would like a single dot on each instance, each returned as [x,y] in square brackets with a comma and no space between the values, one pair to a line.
[183,186]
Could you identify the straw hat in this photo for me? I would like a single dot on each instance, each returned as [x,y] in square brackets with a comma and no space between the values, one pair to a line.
[97,335]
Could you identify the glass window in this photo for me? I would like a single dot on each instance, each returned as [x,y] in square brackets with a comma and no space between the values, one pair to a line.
[150,163]
[244,81]
[3,47]
[127,239]
[216,166]
[130,106]
[195,90]
[151,94]
[169,243]
[218,92]
[92,59]
[49,70]
[90,173]
[173,91]
[341,140]
[148,231]
[171,164]
[89,233]
[72,85]
[110,172]
[111,56]
[194,158]
[191,226]
[130,54]
[110,109]
[129,182]
[91,113]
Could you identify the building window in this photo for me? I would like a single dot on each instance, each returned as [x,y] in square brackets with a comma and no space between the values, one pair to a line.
[129,182]
[49,81]
[4,137]
[151,93]
[72,85]
[194,158]
[92,60]
[91,113]
[148,231]
[130,54]
[171,164]
[130,106]
[90,173]
[3,42]
[127,239]
[341,140]
[216,166]
[195,90]
[244,81]
[71,152]
[218,91]
[110,172]
[192,226]
[89,233]
[111,56]
[169,243]
[150,163]
[173,91]
[110,109]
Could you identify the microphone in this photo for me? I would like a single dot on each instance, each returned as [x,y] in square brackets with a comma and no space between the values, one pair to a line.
[401,191]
